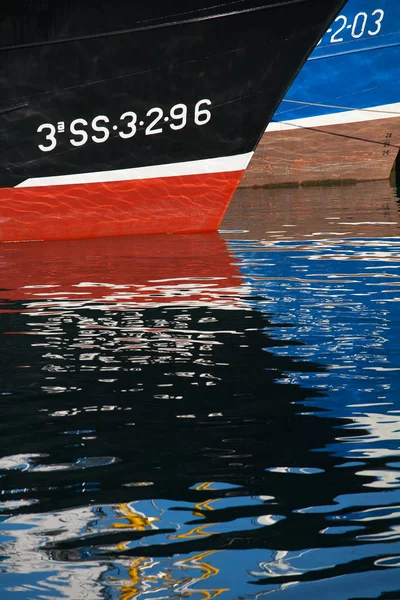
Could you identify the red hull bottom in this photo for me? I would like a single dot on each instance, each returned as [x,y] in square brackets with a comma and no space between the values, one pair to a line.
[184,204]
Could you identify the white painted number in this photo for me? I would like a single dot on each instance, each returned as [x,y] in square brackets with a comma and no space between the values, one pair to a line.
[103,130]
[358,27]
[50,136]
[339,18]
[80,132]
[131,124]
[150,128]
[378,21]
[98,130]
[202,115]
[359,20]
[179,111]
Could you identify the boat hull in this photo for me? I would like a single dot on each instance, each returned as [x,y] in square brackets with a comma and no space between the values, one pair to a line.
[178,204]
[341,117]
[145,129]
[343,152]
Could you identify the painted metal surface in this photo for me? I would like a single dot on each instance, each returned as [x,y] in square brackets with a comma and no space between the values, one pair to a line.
[105,87]
[341,117]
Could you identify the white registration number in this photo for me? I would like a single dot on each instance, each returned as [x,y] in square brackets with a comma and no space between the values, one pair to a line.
[101,128]
[362,25]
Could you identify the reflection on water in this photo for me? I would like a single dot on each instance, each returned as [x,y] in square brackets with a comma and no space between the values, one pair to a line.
[206,416]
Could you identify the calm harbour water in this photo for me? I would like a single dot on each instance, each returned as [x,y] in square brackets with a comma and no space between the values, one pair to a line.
[210,415]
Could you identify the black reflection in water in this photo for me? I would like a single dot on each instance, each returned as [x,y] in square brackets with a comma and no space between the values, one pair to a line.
[160,394]
[95,403]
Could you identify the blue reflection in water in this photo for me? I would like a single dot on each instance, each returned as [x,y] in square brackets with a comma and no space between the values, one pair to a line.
[194,417]
[341,299]
[339,295]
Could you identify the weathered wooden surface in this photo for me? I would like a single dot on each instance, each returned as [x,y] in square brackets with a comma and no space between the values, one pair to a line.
[354,151]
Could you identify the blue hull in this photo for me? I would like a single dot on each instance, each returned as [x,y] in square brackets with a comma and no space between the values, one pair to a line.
[340,118]
[356,65]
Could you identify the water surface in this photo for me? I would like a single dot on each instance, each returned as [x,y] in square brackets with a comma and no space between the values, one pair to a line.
[210,415]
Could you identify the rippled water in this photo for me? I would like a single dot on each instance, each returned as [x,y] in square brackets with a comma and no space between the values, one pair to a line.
[207,416]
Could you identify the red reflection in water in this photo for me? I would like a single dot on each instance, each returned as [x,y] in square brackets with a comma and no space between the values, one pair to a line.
[137,270]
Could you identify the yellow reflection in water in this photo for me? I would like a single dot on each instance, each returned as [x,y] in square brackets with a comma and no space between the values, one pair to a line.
[140,579]
[134,519]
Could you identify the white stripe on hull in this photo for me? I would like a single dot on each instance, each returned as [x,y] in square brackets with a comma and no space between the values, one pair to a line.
[386,111]
[224,164]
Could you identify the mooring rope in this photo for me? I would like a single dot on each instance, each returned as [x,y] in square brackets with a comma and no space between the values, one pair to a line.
[372,110]
[385,144]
